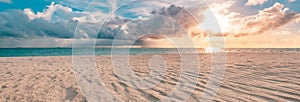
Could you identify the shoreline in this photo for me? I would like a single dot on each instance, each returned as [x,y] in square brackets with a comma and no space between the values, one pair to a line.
[153,54]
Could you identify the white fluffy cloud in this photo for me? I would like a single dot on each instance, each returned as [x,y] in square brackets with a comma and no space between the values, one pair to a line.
[15,23]
[255,2]
[267,19]
[6,1]
[59,22]
[292,0]
[56,21]
[48,13]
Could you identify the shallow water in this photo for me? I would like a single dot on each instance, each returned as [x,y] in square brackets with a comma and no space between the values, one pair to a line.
[22,52]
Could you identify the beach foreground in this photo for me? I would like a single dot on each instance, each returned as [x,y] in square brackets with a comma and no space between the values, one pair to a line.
[253,76]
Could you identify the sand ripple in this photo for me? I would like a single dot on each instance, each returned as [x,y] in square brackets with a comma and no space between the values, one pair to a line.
[248,77]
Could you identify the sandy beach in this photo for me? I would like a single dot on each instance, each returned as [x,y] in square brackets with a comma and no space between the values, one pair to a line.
[260,76]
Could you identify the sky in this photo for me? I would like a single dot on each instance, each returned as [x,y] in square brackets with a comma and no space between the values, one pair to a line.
[150,23]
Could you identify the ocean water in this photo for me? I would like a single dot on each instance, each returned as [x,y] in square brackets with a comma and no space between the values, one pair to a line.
[21,52]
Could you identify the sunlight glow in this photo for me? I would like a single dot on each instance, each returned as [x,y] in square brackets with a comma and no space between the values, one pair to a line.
[223,22]
[213,50]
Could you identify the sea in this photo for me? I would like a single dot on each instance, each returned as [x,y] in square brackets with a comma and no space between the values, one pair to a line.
[23,52]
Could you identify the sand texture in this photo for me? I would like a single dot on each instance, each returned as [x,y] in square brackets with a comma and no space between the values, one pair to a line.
[252,76]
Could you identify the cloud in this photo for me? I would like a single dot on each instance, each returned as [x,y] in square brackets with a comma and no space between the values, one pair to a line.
[18,25]
[271,18]
[31,43]
[292,1]
[268,19]
[255,2]
[180,15]
[132,29]
[106,6]
[6,1]
[152,40]
[162,41]
[47,14]
[57,42]
[171,20]
[59,22]
[56,21]
[222,7]
[111,5]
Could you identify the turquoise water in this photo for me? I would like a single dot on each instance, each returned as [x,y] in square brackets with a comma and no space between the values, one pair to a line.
[19,52]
